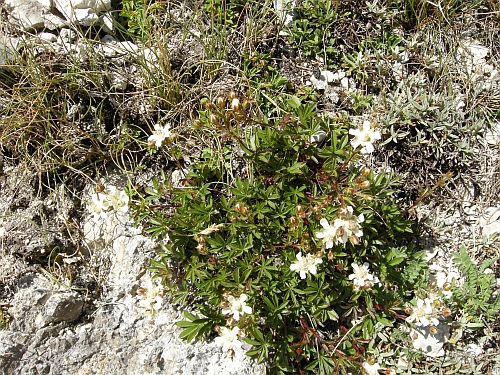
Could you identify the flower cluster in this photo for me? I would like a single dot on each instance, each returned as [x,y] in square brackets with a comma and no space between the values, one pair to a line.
[361,278]
[228,338]
[423,314]
[110,198]
[345,228]
[364,137]
[306,264]
[149,297]
[443,280]
[237,307]
[161,134]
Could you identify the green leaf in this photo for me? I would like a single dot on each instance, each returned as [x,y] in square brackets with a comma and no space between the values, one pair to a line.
[294,102]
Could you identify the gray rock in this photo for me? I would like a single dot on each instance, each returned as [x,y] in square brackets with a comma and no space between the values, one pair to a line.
[62,307]
[127,333]
[82,12]
[12,348]
[33,14]
[38,305]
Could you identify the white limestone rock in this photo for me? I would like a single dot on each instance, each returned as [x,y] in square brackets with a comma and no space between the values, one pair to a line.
[47,37]
[33,14]
[82,12]
[39,303]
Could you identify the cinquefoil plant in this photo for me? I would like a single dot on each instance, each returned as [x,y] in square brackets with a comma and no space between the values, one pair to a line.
[299,252]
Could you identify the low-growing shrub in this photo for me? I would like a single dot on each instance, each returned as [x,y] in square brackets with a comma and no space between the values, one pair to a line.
[300,250]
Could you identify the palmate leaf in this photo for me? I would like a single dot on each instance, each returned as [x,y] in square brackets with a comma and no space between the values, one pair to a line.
[195,327]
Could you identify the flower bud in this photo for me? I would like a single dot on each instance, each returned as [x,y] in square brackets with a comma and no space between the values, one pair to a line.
[293,220]
[408,310]
[433,285]
[358,180]
[141,291]
[230,321]
[99,188]
[365,171]
[433,330]
[233,95]
[220,102]
[354,240]
[242,333]
[446,312]
[198,123]
[235,105]
[245,104]
[365,184]
[330,256]
[213,119]
[161,293]
[446,286]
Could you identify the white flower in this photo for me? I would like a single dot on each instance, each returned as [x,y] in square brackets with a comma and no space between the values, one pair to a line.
[329,234]
[118,198]
[441,278]
[422,314]
[228,339]
[305,265]
[160,134]
[149,297]
[430,344]
[364,137]
[371,369]
[98,205]
[344,228]
[237,307]
[347,225]
[2,231]
[361,277]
